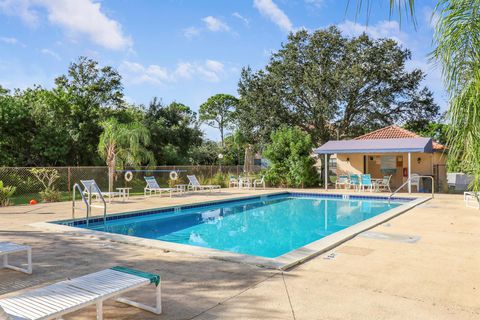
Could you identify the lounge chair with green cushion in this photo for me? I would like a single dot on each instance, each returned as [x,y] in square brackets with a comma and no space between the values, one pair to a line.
[64,297]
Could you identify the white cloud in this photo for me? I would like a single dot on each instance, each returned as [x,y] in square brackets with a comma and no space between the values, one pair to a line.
[191,32]
[185,70]
[431,17]
[211,70]
[136,73]
[9,40]
[215,24]
[315,3]
[20,8]
[383,29]
[270,10]
[50,53]
[76,17]
[239,16]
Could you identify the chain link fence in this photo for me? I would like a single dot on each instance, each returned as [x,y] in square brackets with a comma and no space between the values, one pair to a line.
[28,187]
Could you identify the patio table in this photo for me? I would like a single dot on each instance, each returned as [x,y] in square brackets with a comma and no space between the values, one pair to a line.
[182,188]
[376,183]
[244,182]
[124,193]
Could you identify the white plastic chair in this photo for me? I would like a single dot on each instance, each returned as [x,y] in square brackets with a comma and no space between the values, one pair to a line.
[384,184]
[342,181]
[233,182]
[259,182]
[415,181]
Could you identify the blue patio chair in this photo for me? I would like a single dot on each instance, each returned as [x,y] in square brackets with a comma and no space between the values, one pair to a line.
[366,182]
[354,181]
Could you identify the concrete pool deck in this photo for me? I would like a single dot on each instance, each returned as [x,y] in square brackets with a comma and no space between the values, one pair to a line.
[436,277]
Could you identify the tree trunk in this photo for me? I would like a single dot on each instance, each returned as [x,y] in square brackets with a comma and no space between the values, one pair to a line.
[111,170]
[221,135]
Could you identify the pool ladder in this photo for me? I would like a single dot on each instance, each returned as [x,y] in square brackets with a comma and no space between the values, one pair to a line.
[408,180]
[88,203]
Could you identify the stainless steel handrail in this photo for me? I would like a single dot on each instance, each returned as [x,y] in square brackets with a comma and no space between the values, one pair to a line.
[408,180]
[76,186]
[99,193]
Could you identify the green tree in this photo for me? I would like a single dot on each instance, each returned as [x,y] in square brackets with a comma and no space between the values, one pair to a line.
[436,130]
[33,128]
[123,145]
[175,130]
[91,91]
[218,112]
[332,86]
[234,149]
[290,160]
[205,154]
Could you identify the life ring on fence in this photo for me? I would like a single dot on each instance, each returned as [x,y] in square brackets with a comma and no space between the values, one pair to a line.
[128,176]
[173,175]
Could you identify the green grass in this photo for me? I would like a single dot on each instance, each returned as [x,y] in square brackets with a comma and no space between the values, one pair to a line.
[25,198]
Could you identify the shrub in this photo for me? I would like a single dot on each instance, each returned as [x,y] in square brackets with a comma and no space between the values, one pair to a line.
[50,195]
[291,163]
[47,178]
[220,179]
[6,192]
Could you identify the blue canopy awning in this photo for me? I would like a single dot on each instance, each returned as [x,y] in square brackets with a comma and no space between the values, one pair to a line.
[423,145]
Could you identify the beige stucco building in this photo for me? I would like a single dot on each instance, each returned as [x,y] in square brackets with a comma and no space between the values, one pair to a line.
[389,151]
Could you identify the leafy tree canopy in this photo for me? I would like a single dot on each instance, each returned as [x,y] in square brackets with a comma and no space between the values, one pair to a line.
[218,112]
[174,130]
[291,163]
[332,86]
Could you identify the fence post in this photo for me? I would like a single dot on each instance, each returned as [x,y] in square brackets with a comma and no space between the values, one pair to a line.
[69,179]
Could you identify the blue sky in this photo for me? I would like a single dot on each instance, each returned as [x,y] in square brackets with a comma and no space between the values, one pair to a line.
[183,50]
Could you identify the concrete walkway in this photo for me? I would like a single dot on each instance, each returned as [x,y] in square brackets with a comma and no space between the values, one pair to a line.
[436,277]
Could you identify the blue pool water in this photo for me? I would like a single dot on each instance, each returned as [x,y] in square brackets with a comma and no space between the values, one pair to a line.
[262,226]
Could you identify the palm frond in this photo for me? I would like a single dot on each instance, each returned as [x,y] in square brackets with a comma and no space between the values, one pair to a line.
[403,8]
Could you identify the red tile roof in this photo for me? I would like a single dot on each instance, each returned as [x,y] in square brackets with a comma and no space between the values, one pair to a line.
[395,132]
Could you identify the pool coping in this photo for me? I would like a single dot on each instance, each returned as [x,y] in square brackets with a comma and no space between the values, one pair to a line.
[283,262]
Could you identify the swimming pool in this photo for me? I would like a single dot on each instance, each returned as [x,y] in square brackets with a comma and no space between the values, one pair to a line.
[264,226]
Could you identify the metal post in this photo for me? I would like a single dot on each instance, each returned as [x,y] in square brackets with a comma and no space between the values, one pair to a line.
[409,172]
[326,171]
[69,176]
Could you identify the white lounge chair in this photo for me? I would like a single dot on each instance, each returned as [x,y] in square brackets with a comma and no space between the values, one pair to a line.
[259,182]
[59,299]
[91,190]
[194,184]
[471,199]
[7,248]
[153,186]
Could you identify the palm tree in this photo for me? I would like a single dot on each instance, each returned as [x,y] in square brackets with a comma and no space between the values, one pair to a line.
[123,145]
[457,39]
